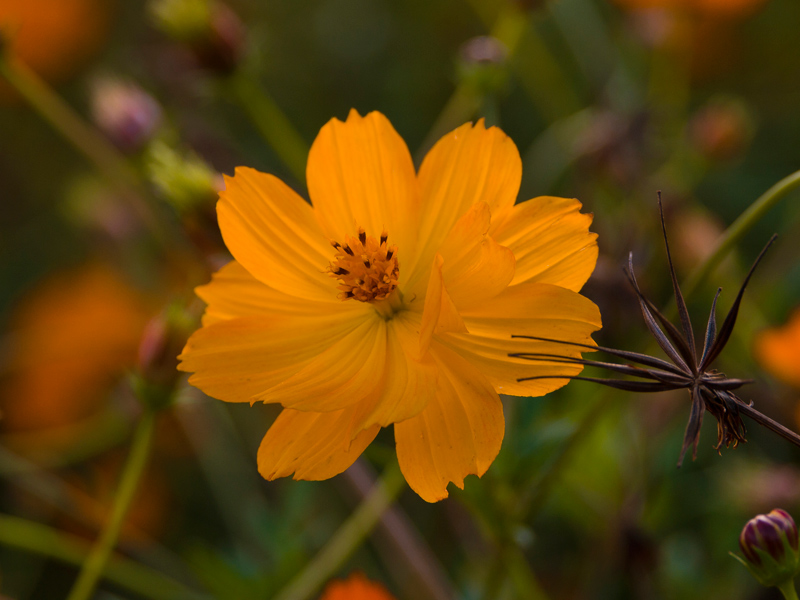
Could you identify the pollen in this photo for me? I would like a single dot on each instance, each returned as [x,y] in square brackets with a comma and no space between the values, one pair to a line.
[366,267]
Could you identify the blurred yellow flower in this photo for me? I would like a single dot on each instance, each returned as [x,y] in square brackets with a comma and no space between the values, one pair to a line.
[71,338]
[778,350]
[54,37]
[355,587]
[392,301]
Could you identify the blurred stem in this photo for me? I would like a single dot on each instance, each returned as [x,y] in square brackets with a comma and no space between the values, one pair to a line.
[272,122]
[106,158]
[739,228]
[29,536]
[788,590]
[533,499]
[347,538]
[401,547]
[93,568]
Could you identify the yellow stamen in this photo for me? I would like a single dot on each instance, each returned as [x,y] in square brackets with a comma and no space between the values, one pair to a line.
[366,268]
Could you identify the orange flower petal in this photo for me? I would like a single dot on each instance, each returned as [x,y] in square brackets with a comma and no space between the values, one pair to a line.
[439,313]
[550,239]
[313,446]
[237,359]
[410,381]
[360,174]
[273,234]
[537,309]
[342,375]
[468,165]
[459,433]
[234,293]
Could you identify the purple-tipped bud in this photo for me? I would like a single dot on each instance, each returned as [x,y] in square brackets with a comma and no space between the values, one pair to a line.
[128,115]
[770,546]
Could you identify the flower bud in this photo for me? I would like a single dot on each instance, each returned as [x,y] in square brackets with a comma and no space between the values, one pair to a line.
[184,179]
[157,359]
[770,546]
[211,30]
[128,115]
[482,63]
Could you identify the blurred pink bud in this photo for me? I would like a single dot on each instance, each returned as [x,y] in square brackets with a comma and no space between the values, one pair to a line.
[128,115]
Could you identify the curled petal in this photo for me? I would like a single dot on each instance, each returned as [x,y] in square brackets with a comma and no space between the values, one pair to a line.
[439,314]
[470,164]
[475,267]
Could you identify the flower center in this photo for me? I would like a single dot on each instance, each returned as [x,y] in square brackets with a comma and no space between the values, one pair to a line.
[366,268]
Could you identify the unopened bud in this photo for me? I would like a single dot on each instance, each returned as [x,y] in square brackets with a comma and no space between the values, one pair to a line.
[184,179]
[770,546]
[482,63]
[211,30]
[127,114]
[157,360]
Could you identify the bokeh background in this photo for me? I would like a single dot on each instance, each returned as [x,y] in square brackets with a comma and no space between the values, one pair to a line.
[608,101]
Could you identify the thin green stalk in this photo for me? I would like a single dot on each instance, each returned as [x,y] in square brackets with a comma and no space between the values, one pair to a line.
[788,591]
[93,568]
[347,538]
[739,228]
[29,536]
[106,158]
[272,122]
[466,100]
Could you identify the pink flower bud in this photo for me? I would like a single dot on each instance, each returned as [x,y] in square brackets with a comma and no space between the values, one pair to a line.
[770,546]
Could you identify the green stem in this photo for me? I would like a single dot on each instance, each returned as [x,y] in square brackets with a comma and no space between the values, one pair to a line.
[29,536]
[788,590]
[93,568]
[466,100]
[106,158]
[272,122]
[739,228]
[347,538]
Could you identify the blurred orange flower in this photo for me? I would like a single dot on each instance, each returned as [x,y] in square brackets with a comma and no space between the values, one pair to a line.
[71,338]
[718,8]
[355,587]
[55,37]
[408,318]
[778,350]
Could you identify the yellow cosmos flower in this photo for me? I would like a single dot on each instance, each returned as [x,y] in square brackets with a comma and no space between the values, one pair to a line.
[355,587]
[391,301]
